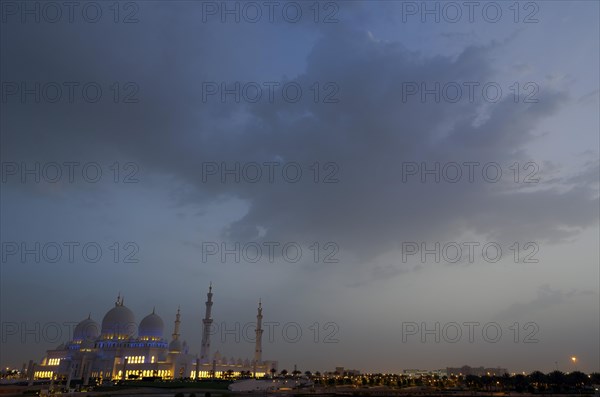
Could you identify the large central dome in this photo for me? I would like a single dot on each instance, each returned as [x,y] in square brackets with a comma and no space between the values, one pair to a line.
[118,323]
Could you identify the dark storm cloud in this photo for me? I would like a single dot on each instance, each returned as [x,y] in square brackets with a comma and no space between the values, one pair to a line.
[546,298]
[372,131]
[368,134]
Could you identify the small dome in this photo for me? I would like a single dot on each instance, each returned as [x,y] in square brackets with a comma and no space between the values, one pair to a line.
[86,330]
[151,327]
[118,323]
[175,346]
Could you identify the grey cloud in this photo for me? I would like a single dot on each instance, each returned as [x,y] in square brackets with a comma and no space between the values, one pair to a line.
[368,134]
[546,298]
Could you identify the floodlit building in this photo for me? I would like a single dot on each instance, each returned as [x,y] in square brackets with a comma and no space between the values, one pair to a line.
[120,349]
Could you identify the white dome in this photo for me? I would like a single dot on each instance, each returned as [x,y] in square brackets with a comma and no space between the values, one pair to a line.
[118,323]
[151,327]
[86,330]
[175,346]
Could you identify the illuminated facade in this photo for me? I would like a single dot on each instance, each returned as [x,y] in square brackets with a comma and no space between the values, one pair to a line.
[121,350]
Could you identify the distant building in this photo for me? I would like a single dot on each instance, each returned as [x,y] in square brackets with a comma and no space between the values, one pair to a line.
[424,372]
[348,372]
[477,371]
[122,350]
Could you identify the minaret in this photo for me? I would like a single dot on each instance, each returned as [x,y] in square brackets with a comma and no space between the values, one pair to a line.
[259,332]
[207,321]
[175,333]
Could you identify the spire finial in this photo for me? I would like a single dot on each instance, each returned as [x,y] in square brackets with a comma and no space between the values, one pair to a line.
[154,310]
[210,287]
[89,315]
[259,302]
[118,302]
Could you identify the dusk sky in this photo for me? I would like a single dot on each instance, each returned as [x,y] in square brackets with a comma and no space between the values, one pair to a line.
[414,167]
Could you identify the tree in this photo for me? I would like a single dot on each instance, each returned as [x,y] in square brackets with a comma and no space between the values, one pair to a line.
[273,371]
[519,383]
[538,378]
[577,379]
[473,381]
[557,380]
[487,381]
[284,372]
[308,374]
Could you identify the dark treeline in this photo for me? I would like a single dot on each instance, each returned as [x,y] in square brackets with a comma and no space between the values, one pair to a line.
[535,382]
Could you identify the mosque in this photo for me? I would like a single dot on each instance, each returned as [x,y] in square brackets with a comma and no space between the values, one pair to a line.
[114,351]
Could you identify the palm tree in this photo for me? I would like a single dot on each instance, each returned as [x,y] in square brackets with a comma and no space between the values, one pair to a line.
[308,374]
[577,379]
[557,379]
[273,371]
[284,372]
[538,379]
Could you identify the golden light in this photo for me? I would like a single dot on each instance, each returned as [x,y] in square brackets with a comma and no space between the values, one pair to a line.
[574,359]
